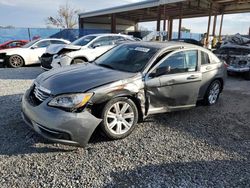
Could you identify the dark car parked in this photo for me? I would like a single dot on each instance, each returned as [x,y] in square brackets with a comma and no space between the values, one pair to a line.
[122,87]
[189,41]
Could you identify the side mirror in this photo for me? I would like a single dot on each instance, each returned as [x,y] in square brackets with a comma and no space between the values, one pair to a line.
[96,45]
[162,71]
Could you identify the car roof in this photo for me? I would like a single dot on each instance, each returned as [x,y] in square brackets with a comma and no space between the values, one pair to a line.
[108,34]
[167,45]
[41,39]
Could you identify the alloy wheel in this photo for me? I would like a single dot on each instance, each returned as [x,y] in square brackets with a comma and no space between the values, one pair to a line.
[120,118]
[214,93]
[16,61]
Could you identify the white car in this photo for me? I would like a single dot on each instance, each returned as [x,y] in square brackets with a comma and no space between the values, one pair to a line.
[27,54]
[84,49]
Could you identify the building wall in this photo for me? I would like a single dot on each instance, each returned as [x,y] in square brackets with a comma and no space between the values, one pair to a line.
[108,27]
[104,23]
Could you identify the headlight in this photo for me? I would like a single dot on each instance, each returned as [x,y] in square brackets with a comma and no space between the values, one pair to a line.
[60,56]
[71,101]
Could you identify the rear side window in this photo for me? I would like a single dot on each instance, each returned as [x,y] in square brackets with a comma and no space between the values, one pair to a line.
[43,44]
[57,42]
[204,58]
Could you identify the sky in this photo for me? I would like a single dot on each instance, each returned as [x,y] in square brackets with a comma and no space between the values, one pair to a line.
[32,13]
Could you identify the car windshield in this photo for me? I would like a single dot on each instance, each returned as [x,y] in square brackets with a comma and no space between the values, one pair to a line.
[83,41]
[127,58]
[30,44]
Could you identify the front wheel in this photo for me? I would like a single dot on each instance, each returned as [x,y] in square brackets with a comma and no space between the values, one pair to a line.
[15,61]
[120,116]
[213,93]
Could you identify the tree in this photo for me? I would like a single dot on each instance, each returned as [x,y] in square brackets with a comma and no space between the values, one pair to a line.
[184,29]
[67,17]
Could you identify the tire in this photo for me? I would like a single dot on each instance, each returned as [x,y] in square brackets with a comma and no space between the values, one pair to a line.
[15,61]
[229,73]
[78,61]
[213,93]
[114,125]
[247,75]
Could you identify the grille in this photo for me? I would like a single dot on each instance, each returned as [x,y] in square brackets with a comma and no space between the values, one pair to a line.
[41,93]
[46,61]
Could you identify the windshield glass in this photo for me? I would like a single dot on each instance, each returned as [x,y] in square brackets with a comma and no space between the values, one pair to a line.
[30,44]
[83,41]
[127,58]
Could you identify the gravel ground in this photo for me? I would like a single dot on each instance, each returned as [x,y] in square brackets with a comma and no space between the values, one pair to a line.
[202,147]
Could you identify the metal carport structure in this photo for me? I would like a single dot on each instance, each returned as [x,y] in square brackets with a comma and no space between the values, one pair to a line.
[157,10]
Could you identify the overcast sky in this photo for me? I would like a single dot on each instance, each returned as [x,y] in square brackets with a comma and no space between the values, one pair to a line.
[32,13]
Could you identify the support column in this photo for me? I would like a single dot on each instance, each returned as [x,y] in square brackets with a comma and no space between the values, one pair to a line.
[170,28]
[214,26]
[158,23]
[113,23]
[208,26]
[221,23]
[164,20]
[81,23]
[180,22]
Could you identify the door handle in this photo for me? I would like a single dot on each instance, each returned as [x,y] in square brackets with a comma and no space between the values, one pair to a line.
[192,77]
[208,68]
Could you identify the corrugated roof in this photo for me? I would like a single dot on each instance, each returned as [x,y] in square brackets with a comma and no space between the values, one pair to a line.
[129,7]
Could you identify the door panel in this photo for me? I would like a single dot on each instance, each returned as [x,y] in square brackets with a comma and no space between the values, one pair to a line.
[209,71]
[35,54]
[177,89]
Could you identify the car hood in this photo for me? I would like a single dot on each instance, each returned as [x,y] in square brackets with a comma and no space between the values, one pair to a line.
[56,48]
[79,78]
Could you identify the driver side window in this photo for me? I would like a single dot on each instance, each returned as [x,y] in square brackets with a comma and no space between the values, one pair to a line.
[179,62]
[43,44]
[103,41]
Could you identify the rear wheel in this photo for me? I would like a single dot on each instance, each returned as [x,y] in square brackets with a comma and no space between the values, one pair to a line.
[119,118]
[15,61]
[213,93]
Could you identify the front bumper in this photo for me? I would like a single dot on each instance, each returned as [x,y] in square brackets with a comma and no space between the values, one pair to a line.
[57,125]
[2,60]
[238,69]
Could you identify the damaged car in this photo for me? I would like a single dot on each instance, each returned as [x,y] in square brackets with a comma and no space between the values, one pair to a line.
[82,50]
[235,51]
[121,88]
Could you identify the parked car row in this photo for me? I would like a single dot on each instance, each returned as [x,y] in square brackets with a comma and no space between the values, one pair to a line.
[58,52]
[118,89]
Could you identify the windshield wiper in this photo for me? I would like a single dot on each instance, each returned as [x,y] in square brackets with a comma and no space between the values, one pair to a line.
[107,66]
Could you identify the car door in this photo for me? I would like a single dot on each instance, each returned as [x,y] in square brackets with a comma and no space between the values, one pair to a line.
[178,86]
[37,50]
